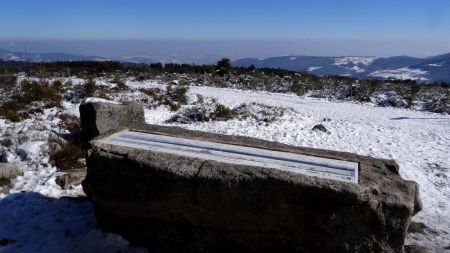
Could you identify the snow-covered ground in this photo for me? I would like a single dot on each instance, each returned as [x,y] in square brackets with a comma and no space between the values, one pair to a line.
[35,217]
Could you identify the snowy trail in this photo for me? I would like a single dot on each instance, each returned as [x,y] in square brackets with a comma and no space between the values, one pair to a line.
[418,141]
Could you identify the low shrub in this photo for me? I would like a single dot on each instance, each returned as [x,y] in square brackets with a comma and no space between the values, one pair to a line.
[120,84]
[259,112]
[6,142]
[207,110]
[5,181]
[68,157]
[89,88]
[174,96]
[69,122]
[178,93]
[7,81]
[10,110]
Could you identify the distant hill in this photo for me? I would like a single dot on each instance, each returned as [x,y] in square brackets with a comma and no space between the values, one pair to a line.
[6,55]
[436,68]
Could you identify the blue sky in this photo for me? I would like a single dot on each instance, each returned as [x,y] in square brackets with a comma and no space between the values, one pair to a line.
[413,21]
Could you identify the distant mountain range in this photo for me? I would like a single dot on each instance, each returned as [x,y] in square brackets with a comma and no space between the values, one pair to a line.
[6,55]
[436,68]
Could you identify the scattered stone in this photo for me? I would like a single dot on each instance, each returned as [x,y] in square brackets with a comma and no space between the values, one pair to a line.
[418,249]
[326,119]
[71,178]
[320,127]
[97,117]
[417,227]
[54,147]
[168,202]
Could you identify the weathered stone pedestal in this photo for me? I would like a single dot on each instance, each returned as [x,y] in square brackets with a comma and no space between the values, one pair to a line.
[169,202]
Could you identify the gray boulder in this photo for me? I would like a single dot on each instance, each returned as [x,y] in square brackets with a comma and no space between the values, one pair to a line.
[98,116]
[174,203]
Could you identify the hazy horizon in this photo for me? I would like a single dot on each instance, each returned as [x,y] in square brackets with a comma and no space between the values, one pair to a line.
[207,50]
[201,29]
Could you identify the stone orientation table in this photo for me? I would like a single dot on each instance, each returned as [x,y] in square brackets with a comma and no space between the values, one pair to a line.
[174,190]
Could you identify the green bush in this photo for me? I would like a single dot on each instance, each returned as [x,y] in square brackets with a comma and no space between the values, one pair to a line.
[89,88]
[120,84]
[34,91]
[7,81]
[223,113]
[10,110]
[178,93]
[4,181]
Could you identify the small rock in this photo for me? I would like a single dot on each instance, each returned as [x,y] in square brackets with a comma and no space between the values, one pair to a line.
[320,127]
[326,120]
[418,249]
[417,227]
[71,178]
[54,147]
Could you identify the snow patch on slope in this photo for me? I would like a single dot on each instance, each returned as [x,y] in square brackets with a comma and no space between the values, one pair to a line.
[435,64]
[354,60]
[310,69]
[401,73]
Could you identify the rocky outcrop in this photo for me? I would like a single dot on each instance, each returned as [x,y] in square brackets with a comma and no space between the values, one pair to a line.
[175,203]
[97,117]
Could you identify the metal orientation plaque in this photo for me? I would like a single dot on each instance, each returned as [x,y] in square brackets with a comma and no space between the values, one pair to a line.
[307,165]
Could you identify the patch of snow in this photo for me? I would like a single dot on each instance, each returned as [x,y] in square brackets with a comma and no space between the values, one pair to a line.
[357,69]
[364,60]
[71,108]
[97,100]
[293,58]
[401,73]
[435,64]
[31,151]
[310,69]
